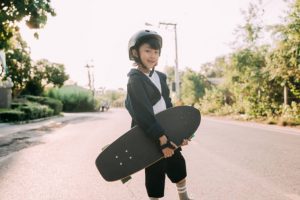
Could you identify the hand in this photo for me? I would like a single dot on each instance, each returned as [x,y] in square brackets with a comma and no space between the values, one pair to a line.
[168,152]
[163,140]
[185,142]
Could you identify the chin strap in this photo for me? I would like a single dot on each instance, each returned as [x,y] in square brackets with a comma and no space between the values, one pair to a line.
[151,72]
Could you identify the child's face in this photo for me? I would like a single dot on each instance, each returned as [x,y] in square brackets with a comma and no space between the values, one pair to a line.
[148,56]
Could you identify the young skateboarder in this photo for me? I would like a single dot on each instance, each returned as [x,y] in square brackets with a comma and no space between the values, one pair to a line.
[147,95]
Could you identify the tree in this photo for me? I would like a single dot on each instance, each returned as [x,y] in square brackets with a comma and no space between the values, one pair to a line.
[28,76]
[18,63]
[193,87]
[51,73]
[214,69]
[13,11]
[44,73]
[250,32]
[283,62]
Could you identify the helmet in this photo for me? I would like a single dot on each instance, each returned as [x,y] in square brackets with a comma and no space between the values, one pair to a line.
[139,36]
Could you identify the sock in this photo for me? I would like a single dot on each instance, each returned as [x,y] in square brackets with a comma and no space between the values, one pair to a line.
[182,191]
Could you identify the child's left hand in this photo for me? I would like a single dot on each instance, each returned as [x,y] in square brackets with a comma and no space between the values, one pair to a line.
[185,142]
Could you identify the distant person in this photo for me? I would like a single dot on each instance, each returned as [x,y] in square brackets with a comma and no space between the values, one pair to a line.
[104,106]
[147,95]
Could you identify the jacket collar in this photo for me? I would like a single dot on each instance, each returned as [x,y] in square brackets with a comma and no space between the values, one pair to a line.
[136,72]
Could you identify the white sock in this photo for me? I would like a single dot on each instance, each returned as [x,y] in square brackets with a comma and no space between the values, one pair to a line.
[182,191]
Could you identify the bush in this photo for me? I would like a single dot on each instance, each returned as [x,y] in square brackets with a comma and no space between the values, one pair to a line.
[11,115]
[54,104]
[75,99]
[35,110]
[290,114]
[212,102]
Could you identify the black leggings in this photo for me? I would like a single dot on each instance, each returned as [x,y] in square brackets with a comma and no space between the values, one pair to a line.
[175,169]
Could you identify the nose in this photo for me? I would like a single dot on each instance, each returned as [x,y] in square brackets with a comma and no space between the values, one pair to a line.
[153,55]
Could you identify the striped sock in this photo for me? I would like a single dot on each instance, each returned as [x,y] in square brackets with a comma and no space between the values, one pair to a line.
[182,191]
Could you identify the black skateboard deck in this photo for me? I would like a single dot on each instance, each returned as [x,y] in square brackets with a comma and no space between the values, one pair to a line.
[134,151]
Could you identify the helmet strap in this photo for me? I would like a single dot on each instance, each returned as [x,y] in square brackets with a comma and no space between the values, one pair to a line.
[152,71]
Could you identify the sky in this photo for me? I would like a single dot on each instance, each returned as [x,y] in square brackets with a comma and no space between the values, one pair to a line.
[97,33]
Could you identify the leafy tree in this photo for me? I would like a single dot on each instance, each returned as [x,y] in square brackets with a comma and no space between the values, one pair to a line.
[44,73]
[50,73]
[249,33]
[24,73]
[18,63]
[13,11]
[283,63]
[214,69]
[193,87]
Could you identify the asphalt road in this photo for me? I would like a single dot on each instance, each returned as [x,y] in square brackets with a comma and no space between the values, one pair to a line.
[226,161]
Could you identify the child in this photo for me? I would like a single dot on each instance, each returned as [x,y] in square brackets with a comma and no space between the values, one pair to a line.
[148,94]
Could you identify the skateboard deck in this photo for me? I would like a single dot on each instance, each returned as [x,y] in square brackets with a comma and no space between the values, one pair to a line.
[134,151]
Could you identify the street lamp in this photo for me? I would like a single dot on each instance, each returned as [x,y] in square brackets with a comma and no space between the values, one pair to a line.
[174,25]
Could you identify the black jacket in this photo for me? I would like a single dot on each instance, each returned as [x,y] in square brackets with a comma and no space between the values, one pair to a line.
[142,94]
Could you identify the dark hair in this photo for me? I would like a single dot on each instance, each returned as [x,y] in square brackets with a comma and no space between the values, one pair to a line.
[153,43]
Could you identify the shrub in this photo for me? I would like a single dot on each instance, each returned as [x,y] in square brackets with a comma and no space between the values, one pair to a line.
[35,110]
[75,99]
[212,101]
[11,115]
[54,104]
[290,114]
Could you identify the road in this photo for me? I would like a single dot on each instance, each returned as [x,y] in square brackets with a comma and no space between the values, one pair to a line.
[226,160]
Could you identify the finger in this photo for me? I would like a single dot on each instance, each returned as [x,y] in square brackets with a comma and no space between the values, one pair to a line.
[184,142]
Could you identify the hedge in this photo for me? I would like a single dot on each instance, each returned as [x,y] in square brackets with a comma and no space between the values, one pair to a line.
[11,115]
[54,104]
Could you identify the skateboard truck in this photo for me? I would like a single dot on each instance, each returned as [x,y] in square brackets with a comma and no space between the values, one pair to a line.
[126,179]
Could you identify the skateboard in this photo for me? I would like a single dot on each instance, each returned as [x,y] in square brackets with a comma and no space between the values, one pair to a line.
[134,151]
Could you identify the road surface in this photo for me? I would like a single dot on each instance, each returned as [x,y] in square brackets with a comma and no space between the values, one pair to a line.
[226,160]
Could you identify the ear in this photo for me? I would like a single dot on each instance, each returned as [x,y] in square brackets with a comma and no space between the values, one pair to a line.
[134,53]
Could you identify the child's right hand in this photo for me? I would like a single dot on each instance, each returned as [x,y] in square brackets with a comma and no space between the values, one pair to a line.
[167,151]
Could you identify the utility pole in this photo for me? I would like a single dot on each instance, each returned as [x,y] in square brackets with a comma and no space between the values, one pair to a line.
[176,71]
[285,95]
[90,78]
[177,78]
